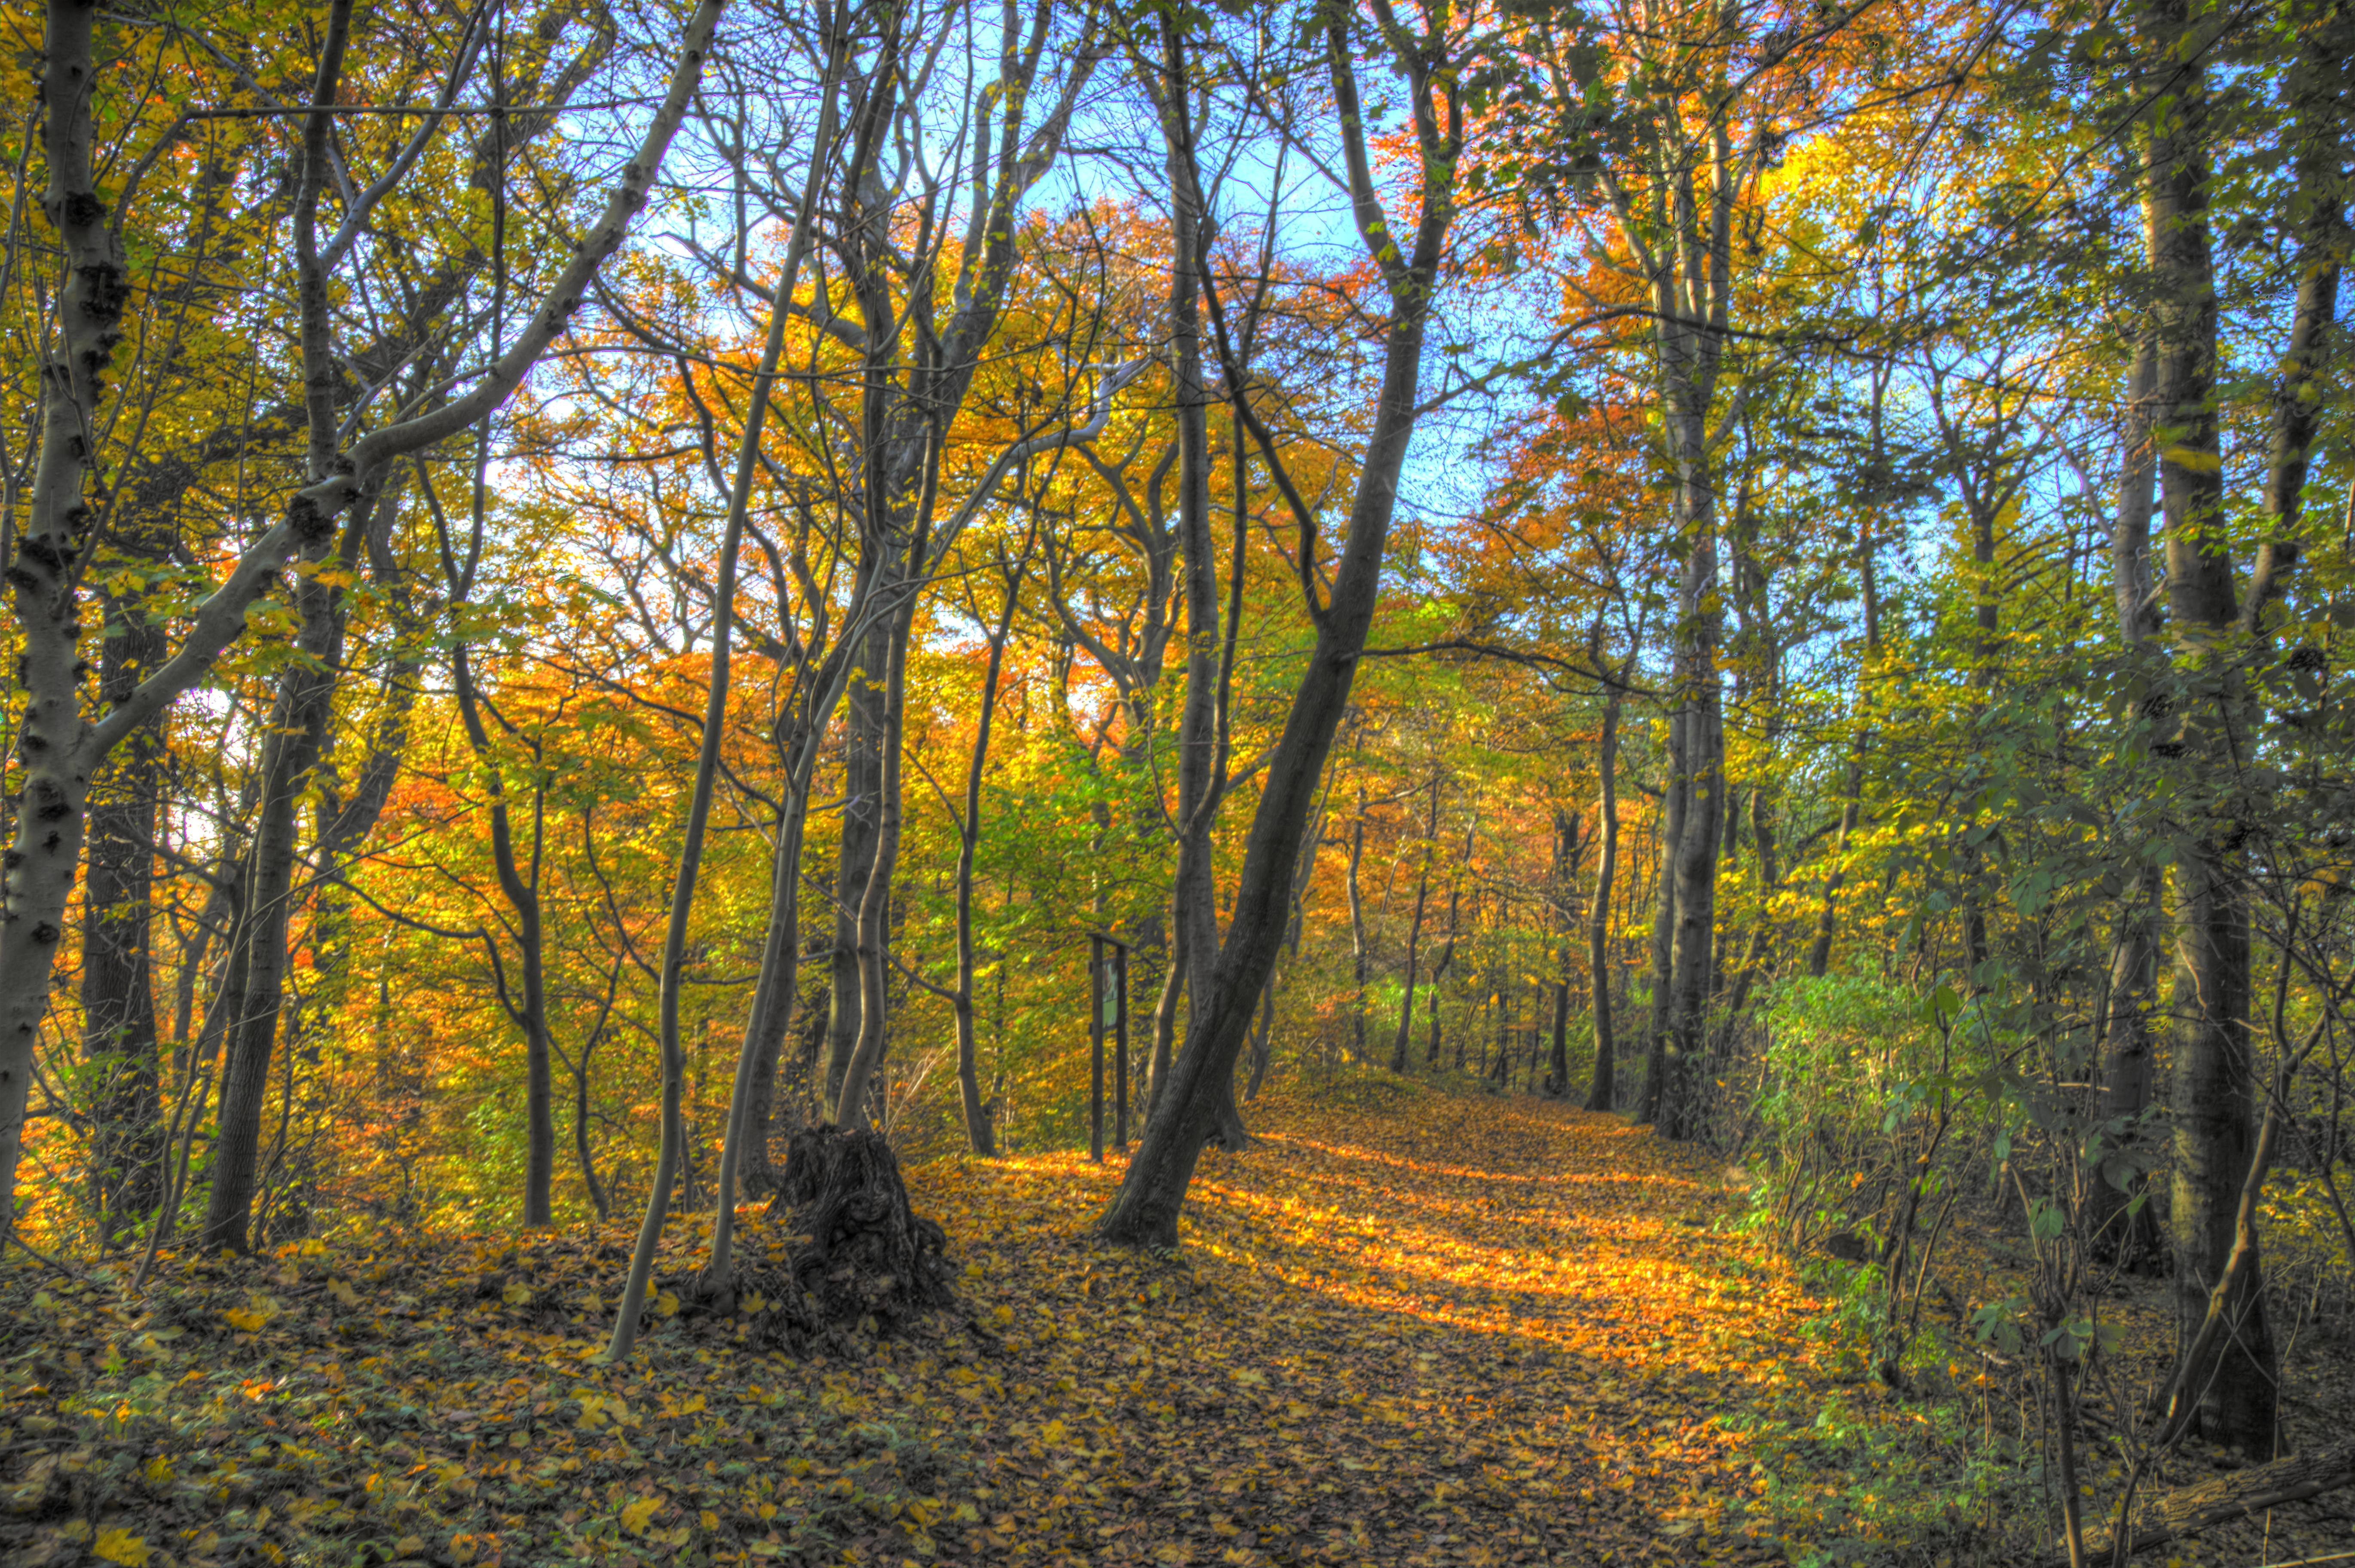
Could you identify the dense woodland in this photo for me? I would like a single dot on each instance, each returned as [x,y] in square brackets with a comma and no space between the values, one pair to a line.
[620,607]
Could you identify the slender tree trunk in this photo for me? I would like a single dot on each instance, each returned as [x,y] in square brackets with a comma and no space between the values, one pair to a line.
[1819,953]
[1358,944]
[673,1151]
[1603,1092]
[2126,1076]
[2214,1071]
[118,992]
[297,742]
[1261,1040]
[1558,1071]
[1194,899]
[1446,961]
[1669,825]
[519,883]
[1414,933]
[976,1114]
[1202,1078]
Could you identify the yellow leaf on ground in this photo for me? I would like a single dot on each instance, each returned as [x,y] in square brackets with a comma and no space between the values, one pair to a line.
[120,1546]
[637,1515]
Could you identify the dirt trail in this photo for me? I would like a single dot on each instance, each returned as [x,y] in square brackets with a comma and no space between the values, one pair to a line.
[1430,1330]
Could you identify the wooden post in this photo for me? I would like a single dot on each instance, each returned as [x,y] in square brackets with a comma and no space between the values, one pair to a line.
[1120,1044]
[1096,1045]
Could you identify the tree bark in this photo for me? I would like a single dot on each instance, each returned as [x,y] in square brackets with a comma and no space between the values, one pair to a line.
[52,746]
[118,990]
[2220,1499]
[2127,1074]
[862,791]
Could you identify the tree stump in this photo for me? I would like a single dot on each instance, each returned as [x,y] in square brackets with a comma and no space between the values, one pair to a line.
[845,1259]
[867,1253]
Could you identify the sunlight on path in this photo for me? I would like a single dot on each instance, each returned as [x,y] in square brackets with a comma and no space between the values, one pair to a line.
[1446,1330]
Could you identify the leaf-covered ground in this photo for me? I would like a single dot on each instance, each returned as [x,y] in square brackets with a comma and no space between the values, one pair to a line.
[1418,1330]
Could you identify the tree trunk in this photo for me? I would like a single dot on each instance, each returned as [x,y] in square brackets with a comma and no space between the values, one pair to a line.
[2126,1077]
[1357,954]
[1194,899]
[519,883]
[117,991]
[1603,1092]
[1557,1082]
[1669,827]
[1202,1078]
[873,926]
[976,1114]
[2214,1071]
[862,789]
[1686,1039]
[298,739]
[52,740]
[1414,934]
[1439,972]
[61,752]
[776,989]
[2220,1499]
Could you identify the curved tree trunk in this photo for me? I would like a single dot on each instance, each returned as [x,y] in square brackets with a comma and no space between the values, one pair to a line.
[1202,1078]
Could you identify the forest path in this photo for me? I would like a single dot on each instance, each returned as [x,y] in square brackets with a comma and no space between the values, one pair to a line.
[1417,1329]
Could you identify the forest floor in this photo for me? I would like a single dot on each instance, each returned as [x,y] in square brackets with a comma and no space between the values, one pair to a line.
[1412,1330]
[1405,1328]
